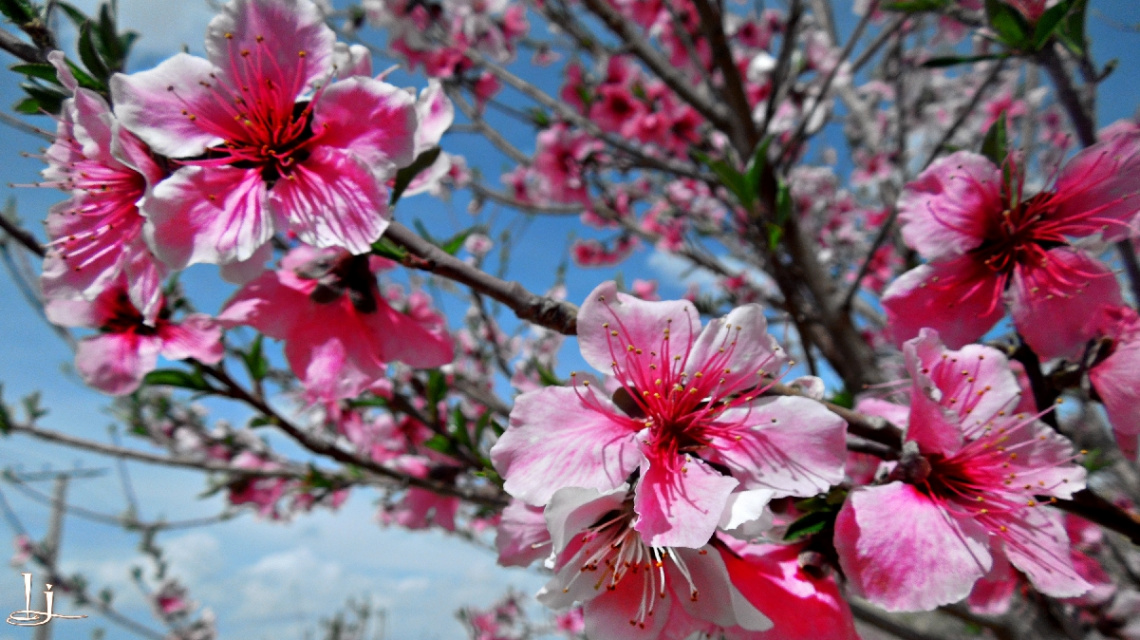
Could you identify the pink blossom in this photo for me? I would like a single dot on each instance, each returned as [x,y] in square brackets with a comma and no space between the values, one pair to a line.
[982,239]
[522,536]
[421,508]
[25,548]
[264,140]
[630,589]
[1116,378]
[687,411]
[558,161]
[338,330]
[96,236]
[801,606]
[261,491]
[127,346]
[966,495]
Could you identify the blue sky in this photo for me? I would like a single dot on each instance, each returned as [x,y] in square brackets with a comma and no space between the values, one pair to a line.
[267,580]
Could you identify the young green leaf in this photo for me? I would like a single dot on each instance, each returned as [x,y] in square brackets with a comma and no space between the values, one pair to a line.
[810,524]
[177,378]
[385,248]
[995,145]
[18,11]
[1049,21]
[405,176]
[255,361]
[89,54]
[1011,27]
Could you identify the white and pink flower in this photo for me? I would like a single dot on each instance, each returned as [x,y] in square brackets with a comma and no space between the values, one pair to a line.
[687,416]
[127,346]
[967,497]
[986,240]
[338,330]
[265,139]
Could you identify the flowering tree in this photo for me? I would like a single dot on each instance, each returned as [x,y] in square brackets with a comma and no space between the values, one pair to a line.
[840,424]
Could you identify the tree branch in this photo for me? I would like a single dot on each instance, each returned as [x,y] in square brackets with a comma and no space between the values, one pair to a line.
[671,76]
[425,256]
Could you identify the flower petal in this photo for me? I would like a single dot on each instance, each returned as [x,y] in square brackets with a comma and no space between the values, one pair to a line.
[115,363]
[1099,188]
[287,40]
[903,552]
[215,215]
[1053,303]
[737,347]
[1117,382]
[640,324]
[370,120]
[332,200]
[562,437]
[679,501]
[960,298]
[198,336]
[1038,545]
[400,337]
[790,445]
[167,107]
[946,210]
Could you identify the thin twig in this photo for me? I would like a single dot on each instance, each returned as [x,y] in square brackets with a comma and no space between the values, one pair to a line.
[425,256]
[741,126]
[23,237]
[20,49]
[568,114]
[683,86]
[960,119]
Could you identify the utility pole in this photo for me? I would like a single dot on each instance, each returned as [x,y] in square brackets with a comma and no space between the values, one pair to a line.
[49,546]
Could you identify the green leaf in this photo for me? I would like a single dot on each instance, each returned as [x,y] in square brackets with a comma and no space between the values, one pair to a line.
[385,248]
[757,175]
[540,117]
[546,376]
[90,55]
[453,244]
[1049,21]
[107,39]
[1010,26]
[995,145]
[41,70]
[6,417]
[460,430]
[76,16]
[84,79]
[733,180]
[436,388]
[810,524]
[915,6]
[405,176]
[18,11]
[30,107]
[950,61]
[775,235]
[255,361]
[47,99]
[783,203]
[1072,32]
[843,398]
[32,408]
[177,378]
[441,444]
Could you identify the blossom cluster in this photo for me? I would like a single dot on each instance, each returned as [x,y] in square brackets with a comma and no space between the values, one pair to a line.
[683,490]
[281,130]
